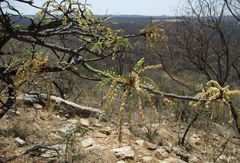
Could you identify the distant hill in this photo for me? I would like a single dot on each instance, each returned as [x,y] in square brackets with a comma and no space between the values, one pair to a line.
[142,16]
[130,23]
[138,18]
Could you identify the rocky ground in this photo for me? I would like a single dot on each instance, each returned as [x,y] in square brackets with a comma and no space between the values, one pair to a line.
[45,136]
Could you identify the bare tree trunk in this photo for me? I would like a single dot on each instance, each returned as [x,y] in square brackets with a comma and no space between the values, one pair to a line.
[181,142]
[59,89]
[235,116]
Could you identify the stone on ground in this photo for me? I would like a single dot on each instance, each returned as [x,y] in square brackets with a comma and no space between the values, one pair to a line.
[149,145]
[87,142]
[124,152]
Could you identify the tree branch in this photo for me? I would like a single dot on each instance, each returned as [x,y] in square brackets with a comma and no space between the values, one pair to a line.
[33,148]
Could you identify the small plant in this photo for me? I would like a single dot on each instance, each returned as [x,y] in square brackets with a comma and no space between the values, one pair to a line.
[152,128]
[70,153]
[126,87]
[21,128]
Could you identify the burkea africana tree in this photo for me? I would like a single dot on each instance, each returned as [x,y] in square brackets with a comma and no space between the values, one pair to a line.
[96,41]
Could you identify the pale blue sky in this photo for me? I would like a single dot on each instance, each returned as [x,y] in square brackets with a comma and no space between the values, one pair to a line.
[139,7]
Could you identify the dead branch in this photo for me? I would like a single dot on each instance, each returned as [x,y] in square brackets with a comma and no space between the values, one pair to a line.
[224,147]
[33,148]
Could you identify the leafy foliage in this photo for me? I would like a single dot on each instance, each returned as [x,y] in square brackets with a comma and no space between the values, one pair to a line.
[155,36]
[101,36]
[126,87]
[214,92]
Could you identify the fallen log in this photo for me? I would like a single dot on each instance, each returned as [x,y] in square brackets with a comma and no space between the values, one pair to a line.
[64,106]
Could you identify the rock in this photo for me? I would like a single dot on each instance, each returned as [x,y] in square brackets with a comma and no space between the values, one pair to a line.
[87,142]
[62,131]
[143,152]
[168,149]
[148,145]
[140,156]
[72,121]
[99,135]
[195,140]
[147,159]
[124,152]
[67,116]
[58,117]
[84,122]
[52,153]
[144,130]
[139,142]
[120,161]
[195,136]
[42,116]
[12,111]
[126,131]
[109,128]
[174,129]
[55,137]
[161,153]
[37,106]
[20,142]
[68,127]
[97,124]
[224,158]
[194,160]
[184,156]
[155,125]
[17,113]
[105,131]
[163,133]
[172,160]
[215,137]
[232,159]
[96,148]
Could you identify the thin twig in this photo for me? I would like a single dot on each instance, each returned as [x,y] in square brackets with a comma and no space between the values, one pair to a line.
[224,147]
